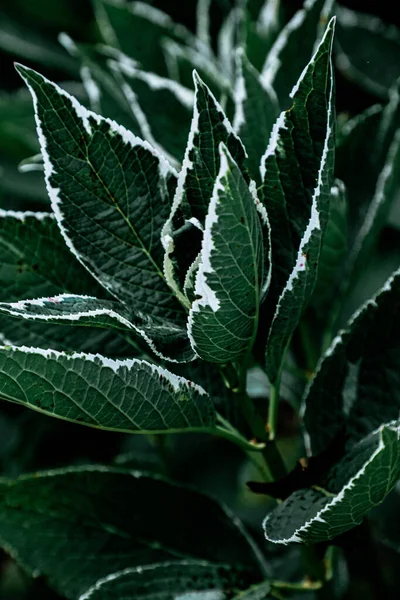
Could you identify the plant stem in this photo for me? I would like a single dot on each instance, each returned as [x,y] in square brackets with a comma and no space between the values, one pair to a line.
[273,410]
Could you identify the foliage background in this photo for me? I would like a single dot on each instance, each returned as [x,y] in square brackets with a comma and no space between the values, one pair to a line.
[29,441]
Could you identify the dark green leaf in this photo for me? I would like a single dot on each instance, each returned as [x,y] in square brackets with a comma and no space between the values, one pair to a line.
[106,185]
[129,395]
[103,520]
[356,484]
[223,321]
[294,46]
[137,29]
[256,110]
[195,186]
[167,340]
[167,581]
[297,171]
[166,107]
[364,45]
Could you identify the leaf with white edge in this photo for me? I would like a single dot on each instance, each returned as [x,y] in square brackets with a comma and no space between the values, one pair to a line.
[355,485]
[126,24]
[228,40]
[182,60]
[167,340]
[297,171]
[262,32]
[169,126]
[105,97]
[256,110]
[170,580]
[294,46]
[223,321]
[386,194]
[35,259]
[68,338]
[365,43]
[32,163]
[119,395]
[195,185]
[369,345]
[120,525]
[333,250]
[260,591]
[110,192]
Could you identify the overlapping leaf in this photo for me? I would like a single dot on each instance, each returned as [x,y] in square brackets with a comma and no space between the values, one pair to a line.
[293,47]
[223,321]
[168,127]
[182,232]
[360,481]
[126,520]
[35,260]
[297,170]
[167,340]
[110,192]
[129,395]
[256,110]
[168,580]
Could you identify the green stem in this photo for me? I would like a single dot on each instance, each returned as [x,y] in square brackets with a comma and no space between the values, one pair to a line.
[273,410]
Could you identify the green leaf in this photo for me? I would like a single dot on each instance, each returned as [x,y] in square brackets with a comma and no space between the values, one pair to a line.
[126,24]
[294,46]
[333,251]
[22,42]
[260,591]
[182,233]
[182,60]
[129,395]
[127,520]
[36,261]
[168,580]
[256,110]
[105,96]
[360,481]
[110,192]
[168,128]
[167,340]
[297,171]
[365,43]
[223,321]
[367,351]
[262,31]
[20,332]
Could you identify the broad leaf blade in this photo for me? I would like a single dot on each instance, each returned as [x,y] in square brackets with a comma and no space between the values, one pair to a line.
[294,46]
[256,110]
[167,340]
[297,169]
[106,185]
[36,261]
[130,395]
[128,520]
[169,580]
[223,322]
[360,481]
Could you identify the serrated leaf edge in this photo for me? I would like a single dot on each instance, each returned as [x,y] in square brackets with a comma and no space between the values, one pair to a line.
[297,535]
